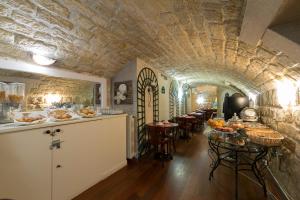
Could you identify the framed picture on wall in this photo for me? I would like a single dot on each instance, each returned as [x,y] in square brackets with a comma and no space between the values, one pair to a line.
[123,92]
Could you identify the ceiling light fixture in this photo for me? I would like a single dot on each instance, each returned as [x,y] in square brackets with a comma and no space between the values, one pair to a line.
[42,60]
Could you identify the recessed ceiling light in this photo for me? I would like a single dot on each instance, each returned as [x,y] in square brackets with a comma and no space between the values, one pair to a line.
[42,60]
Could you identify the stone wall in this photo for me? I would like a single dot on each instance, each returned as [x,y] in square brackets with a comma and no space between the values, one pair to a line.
[37,86]
[286,167]
[190,39]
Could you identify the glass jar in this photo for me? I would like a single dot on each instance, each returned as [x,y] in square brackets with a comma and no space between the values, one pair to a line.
[3,92]
[16,92]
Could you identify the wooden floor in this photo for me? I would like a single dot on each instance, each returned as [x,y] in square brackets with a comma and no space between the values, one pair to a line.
[183,178]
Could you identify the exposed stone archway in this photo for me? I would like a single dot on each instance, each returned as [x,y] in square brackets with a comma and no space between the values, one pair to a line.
[193,39]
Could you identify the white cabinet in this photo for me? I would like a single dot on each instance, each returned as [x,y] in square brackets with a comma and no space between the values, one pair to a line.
[25,165]
[88,152]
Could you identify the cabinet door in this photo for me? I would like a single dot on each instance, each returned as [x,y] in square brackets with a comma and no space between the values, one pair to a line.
[90,151]
[25,165]
[76,162]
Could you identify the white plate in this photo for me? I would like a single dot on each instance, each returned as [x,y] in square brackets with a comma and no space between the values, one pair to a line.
[53,119]
[30,123]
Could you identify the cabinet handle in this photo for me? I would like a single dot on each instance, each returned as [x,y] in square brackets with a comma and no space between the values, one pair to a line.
[58,166]
[56,144]
[47,132]
[57,130]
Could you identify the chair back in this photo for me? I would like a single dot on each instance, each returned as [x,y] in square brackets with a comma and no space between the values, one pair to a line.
[155,135]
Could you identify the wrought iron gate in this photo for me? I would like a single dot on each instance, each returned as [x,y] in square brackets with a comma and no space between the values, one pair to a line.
[146,79]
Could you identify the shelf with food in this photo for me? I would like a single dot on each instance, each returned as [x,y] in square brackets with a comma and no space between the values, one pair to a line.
[19,126]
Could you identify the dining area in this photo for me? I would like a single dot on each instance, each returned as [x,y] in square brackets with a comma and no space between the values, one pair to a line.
[149,100]
[162,136]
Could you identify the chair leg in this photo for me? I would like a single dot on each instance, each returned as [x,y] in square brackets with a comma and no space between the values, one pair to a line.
[163,155]
[174,146]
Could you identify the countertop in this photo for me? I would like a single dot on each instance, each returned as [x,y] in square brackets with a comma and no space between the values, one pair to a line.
[8,128]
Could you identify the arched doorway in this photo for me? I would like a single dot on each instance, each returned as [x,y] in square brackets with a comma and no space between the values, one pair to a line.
[147,84]
[173,100]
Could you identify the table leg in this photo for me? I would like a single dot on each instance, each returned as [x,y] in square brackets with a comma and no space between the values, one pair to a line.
[257,172]
[236,176]
[215,162]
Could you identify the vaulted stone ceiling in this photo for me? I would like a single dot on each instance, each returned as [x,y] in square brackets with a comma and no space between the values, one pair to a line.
[193,40]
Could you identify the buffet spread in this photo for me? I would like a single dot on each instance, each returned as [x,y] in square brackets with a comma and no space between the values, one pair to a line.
[242,146]
[239,132]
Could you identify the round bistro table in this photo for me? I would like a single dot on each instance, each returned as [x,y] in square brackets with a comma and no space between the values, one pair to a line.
[165,127]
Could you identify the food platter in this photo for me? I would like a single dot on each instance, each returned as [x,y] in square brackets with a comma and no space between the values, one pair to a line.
[264,136]
[61,115]
[24,123]
[87,113]
[28,118]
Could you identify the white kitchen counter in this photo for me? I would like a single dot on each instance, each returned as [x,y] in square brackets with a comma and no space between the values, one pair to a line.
[8,128]
[60,166]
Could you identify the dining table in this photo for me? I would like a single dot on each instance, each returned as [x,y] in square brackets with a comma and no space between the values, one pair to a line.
[186,123]
[200,116]
[165,127]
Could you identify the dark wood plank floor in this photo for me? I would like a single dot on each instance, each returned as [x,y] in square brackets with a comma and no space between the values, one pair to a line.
[183,178]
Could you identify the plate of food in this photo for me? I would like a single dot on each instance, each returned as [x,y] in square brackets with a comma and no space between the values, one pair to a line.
[216,123]
[23,119]
[60,115]
[236,126]
[87,113]
[225,129]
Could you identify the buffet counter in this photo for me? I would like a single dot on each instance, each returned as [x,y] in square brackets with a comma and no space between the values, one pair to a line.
[14,127]
[60,160]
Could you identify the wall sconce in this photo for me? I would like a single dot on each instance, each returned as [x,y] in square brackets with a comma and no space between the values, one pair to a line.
[286,93]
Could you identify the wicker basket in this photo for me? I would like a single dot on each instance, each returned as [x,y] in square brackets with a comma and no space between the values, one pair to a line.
[264,136]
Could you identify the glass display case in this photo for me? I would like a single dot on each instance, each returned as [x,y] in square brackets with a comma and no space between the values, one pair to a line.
[16,93]
[11,99]
[3,92]
[4,108]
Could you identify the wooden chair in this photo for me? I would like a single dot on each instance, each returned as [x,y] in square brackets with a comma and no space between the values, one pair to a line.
[184,127]
[171,133]
[159,141]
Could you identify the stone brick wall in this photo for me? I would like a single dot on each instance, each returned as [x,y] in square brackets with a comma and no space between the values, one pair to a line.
[189,39]
[286,167]
[38,86]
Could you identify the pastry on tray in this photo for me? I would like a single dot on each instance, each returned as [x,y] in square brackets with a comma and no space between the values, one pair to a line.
[60,115]
[29,118]
[87,112]
[237,126]
[224,129]
[264,136]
